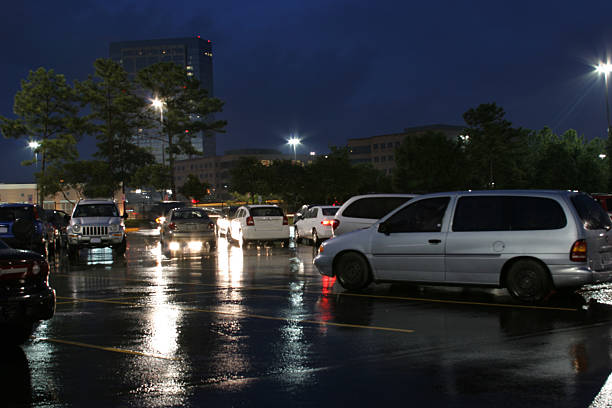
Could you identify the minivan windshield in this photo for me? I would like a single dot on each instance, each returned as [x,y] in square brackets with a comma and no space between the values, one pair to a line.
[591,213]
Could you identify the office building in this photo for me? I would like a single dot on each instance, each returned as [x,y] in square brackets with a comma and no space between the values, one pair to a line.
[192,53]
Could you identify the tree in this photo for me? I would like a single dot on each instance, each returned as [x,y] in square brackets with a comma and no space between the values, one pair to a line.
[187,109]
[496,152]
[46,112]
[154,175]
[249,176]
[117,115]
[428,163]
[194,188]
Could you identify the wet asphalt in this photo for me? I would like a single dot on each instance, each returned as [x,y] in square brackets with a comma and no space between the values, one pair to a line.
[259,326]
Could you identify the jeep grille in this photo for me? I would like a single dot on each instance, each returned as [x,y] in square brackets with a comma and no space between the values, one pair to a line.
[95,230]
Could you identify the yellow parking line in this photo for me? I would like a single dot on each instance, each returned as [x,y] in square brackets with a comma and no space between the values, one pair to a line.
[248,315]
[113,349]
[365,295]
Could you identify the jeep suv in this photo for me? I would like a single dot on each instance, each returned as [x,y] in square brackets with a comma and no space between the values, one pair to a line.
[96,224]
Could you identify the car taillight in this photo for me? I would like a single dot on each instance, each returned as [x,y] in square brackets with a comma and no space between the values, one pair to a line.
[335,223]
[578,253]
[330,223]
[211,226]
[35,211]
[172,226]
[249,221]
[285,220]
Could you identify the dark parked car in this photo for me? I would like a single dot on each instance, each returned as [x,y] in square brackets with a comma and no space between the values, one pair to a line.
[59,221]
[24,226]
[25,295]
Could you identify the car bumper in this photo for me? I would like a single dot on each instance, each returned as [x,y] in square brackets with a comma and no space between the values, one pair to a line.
[274,235]
[577,275]
[95,242]
[186,237]
[30,306]
[324,264]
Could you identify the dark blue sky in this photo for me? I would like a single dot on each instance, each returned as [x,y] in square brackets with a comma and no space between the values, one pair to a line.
[332,70]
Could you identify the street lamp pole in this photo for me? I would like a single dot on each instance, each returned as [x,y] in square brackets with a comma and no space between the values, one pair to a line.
[605,69]
[293,142]
[159,104]
[34,145]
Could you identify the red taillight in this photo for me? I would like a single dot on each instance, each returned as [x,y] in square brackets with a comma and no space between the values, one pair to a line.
[250,221]
[578,253]
[35,213]
[172,226]
[285,220]
[330,223]
[211,226]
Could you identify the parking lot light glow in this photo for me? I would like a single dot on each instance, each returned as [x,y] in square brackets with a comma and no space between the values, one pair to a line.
[174,246]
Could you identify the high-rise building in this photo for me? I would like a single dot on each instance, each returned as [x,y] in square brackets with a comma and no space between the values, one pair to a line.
[192,53]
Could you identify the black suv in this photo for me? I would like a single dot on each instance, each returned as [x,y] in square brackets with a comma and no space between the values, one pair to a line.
[24,226]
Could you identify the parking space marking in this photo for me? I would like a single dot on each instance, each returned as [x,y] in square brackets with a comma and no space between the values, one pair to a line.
[364,295]
[112,349]
[245,315]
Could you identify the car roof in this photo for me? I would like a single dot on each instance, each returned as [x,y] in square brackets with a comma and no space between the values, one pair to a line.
[17,205]
[95,201]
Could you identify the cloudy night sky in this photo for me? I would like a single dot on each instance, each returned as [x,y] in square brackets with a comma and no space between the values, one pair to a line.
[330,70]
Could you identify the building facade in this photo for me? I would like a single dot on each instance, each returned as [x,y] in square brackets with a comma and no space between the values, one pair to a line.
[380,150]
[192,53]
[216,170]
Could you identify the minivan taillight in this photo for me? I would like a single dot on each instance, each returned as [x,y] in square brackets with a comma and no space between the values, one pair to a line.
[330,223]
[250,221]
[578,253]
[172,226]
[285,220]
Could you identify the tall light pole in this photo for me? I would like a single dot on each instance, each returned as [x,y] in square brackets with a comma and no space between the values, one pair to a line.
[159,104]
[294,141]
[605,69]
[34,145]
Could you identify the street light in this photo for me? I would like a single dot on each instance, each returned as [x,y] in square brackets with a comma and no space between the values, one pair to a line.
[159,104]
[34,145]
[294,141]
[605,69]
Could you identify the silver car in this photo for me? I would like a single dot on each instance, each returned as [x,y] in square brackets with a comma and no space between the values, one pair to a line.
[529,242]
[187,230]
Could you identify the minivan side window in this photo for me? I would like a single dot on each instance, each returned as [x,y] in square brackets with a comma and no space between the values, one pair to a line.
[507,213]
[590,212]
[373,207]
[423,216]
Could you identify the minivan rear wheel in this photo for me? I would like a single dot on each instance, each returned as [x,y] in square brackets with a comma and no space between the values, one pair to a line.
[353,271]
[528,281]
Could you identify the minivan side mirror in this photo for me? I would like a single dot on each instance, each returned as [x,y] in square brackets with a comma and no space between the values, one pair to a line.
[384,228]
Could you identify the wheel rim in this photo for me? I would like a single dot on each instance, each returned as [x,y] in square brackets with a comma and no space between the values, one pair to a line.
[352,273]
[526,283]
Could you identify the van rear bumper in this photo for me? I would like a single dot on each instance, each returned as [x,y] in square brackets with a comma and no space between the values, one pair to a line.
[565,276]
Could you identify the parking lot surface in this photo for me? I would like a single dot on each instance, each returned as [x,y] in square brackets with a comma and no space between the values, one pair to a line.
[258,325]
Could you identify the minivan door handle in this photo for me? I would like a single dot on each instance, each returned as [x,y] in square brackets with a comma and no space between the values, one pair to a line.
[435,241]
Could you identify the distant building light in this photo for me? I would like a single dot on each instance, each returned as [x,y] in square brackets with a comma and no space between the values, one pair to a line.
[313,154]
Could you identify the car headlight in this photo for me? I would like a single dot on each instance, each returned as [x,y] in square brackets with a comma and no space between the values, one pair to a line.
[76,228]
[114,228]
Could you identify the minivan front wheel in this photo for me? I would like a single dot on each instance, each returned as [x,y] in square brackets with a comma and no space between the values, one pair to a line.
[528,281]
[353,271]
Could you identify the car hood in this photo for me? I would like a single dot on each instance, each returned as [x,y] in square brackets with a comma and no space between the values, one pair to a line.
[95,220]
[12,254]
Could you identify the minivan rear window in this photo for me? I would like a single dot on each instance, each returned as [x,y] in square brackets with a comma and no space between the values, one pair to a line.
[590,212]
[12,213]
[330,211]
[373,207]
[508,213]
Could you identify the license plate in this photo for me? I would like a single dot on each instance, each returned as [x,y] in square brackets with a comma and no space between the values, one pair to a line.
[3,229]
[96,240]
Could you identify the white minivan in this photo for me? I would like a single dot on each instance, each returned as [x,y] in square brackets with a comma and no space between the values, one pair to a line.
[528,241]
[361,211]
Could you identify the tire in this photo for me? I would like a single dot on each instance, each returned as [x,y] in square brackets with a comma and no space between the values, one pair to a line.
[298,239]
[285,243]
[121,248]
[23,229]
[315,238]
[528,281]
[353,271]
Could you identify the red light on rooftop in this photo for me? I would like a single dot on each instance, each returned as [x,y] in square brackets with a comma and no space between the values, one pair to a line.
[186,130]
[197,36]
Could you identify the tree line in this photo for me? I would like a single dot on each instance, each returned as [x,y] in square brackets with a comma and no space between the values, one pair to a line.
[114,108]
[490,153]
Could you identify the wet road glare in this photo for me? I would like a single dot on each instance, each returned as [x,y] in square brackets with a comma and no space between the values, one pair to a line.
[259,326]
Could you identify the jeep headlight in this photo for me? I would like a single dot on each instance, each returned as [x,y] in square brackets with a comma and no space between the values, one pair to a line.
[76,228]
[114,228]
